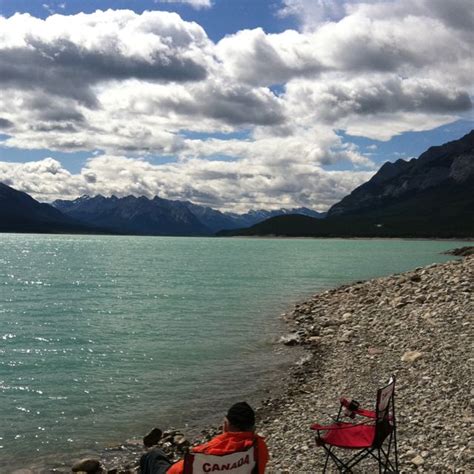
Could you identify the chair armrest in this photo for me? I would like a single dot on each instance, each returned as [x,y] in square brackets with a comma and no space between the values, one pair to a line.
[337,426]
[359,411]
[366,413]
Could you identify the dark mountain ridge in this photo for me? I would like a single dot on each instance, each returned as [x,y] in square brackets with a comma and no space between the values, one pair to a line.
[134,215]
[441,166]
[159,216]
[19,212]
[432,196]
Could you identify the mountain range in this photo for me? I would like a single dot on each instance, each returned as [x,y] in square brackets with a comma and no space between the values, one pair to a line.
[157,216]
[429,196]
[131,215]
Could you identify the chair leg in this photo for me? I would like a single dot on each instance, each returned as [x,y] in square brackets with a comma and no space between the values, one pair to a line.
[358,457]
[395,449]
[390,466]
[387,464]
[340,465]
[394,433]
[386,455]
[328,452]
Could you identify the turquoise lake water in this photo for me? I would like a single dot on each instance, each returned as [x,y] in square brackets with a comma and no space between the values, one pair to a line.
[104,337]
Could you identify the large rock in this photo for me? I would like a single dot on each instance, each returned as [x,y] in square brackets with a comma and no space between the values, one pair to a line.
[91,466]
[291,339]
[152,438]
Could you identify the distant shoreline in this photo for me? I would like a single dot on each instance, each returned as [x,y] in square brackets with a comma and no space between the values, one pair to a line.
[276,237]
[283,237]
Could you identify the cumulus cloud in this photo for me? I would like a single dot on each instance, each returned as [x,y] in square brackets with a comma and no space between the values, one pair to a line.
[193,3]
[265,172]
[5,123]
[228,185]
[311,13]
[139,85]
[257,58]
[67,56]
[399,104]
[358,44]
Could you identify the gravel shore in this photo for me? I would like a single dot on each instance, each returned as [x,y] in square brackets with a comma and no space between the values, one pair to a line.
[417,326]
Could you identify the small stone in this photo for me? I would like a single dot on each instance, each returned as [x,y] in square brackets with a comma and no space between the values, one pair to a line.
[417,460]
[291,339]
[374,351]
[87,465]
[346,336]
[180,440]
[411,356]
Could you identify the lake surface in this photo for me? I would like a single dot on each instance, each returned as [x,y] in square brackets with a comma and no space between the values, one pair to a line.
[104,337]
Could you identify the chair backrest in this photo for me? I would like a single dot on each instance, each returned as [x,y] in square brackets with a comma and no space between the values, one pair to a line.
[239,462]
[385,412]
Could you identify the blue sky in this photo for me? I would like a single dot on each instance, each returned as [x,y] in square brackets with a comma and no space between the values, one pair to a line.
[225,16]
[228,103]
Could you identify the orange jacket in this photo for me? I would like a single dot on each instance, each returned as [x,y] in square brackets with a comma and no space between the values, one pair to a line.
[226,443]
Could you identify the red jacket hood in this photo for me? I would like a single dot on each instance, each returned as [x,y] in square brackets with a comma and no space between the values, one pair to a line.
[228,442]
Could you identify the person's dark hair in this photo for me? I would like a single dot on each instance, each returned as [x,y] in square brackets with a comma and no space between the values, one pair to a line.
[241,416]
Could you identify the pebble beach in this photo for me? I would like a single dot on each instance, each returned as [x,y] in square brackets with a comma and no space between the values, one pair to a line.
[416,325]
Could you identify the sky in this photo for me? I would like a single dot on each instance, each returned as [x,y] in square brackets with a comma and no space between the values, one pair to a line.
[232,104]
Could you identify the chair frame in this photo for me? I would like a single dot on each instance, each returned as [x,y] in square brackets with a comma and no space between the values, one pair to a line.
[382,418]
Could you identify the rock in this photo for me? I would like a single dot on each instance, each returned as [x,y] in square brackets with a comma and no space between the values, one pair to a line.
[291,339]
[180,440]
[152,438]
[461,252]
[374,351]
[87,465]
[330,322]
[411,356]
[346,336]
[417,460]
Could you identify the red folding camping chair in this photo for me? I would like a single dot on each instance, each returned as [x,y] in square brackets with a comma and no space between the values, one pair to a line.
[375,436]
[239,462]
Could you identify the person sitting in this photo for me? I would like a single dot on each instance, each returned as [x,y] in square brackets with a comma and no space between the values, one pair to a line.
[238,435]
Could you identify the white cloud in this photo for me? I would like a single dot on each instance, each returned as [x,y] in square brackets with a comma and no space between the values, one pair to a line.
[198,4]
[311,13]
[376,106]
[140,85]
[248,182]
